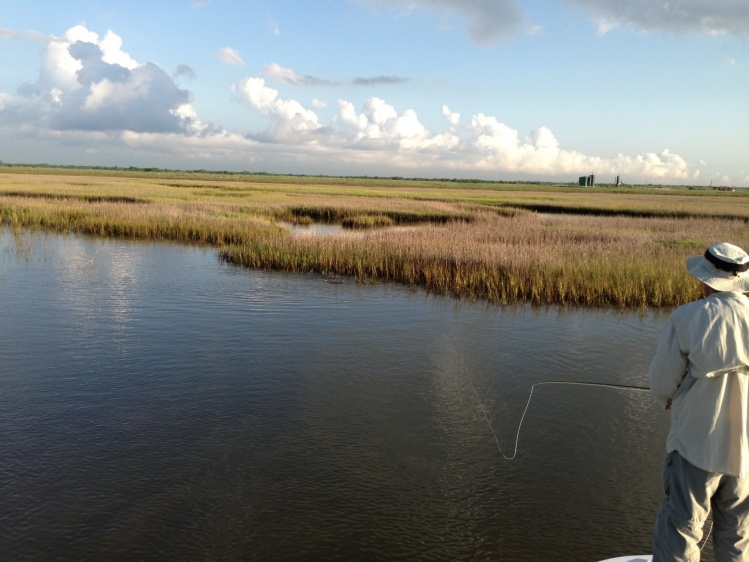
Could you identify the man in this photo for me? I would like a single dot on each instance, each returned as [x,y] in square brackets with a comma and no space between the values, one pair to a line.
[701,372]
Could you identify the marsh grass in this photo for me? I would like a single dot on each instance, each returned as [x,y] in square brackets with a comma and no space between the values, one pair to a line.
[367,222]
[86,198]
[505,260]
[589,249]
[358,216]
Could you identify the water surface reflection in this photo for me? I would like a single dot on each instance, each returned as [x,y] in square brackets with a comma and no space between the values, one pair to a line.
[156,403]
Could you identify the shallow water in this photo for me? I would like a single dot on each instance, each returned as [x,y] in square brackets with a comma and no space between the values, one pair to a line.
[158,404]
[322,229]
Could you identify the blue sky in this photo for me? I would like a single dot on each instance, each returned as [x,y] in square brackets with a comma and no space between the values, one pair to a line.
[653,91]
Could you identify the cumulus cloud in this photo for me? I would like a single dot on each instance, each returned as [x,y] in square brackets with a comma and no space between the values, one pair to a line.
[380,123]
[377,132]
[91,94]
[488,20]
[293,122]
[679,16]
[452,118]
[59,67]
[230,56]
[88,83]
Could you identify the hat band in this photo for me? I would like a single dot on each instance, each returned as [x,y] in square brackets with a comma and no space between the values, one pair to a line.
[734,268]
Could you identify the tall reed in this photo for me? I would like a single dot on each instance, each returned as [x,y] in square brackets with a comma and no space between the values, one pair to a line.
[471,243]
[621,262]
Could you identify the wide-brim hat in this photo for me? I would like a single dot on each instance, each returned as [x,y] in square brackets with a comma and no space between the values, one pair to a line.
[723,266]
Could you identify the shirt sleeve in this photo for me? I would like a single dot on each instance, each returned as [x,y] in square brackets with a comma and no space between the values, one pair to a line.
[668,367]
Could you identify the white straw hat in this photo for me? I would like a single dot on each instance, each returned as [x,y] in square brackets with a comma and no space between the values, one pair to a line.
[724,267]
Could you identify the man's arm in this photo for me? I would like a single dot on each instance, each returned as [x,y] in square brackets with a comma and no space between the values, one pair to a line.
[668,367]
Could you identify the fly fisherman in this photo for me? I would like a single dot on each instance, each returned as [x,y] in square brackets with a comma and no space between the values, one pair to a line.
[701,372]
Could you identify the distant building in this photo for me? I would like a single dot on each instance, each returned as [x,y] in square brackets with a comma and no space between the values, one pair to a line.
[587,181]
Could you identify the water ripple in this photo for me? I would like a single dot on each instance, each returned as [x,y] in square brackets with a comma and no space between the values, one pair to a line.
[156,403]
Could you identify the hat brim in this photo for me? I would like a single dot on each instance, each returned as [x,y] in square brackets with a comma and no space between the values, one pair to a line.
[699,268]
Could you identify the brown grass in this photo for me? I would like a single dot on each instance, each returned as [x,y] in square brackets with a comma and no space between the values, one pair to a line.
[592,249]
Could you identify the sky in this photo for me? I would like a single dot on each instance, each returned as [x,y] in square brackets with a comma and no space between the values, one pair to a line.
[652,91]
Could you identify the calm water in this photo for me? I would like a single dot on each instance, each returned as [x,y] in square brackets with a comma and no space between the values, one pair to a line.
[156,404]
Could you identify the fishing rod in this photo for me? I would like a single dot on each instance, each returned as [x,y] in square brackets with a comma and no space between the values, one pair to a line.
[530,395]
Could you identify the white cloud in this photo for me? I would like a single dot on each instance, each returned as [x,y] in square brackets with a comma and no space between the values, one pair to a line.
[289,116]
[88,83]
[452,118]
[230,56]
[92,94]
[407,126]
[190,120]
[679,16]
[111,47]
[290,77]
[488,20]
[379,112]
[604,26]
[253,93]
[664,165]
[59,67]
[381,129]
[100,94]
[280,73]
[218,145]
[352,120]
[34,36]
[400,140]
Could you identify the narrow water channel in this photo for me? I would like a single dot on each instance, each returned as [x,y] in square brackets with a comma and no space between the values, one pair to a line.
[156,404]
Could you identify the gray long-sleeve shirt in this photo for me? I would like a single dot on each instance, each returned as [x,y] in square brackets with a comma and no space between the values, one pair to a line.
[702,366]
